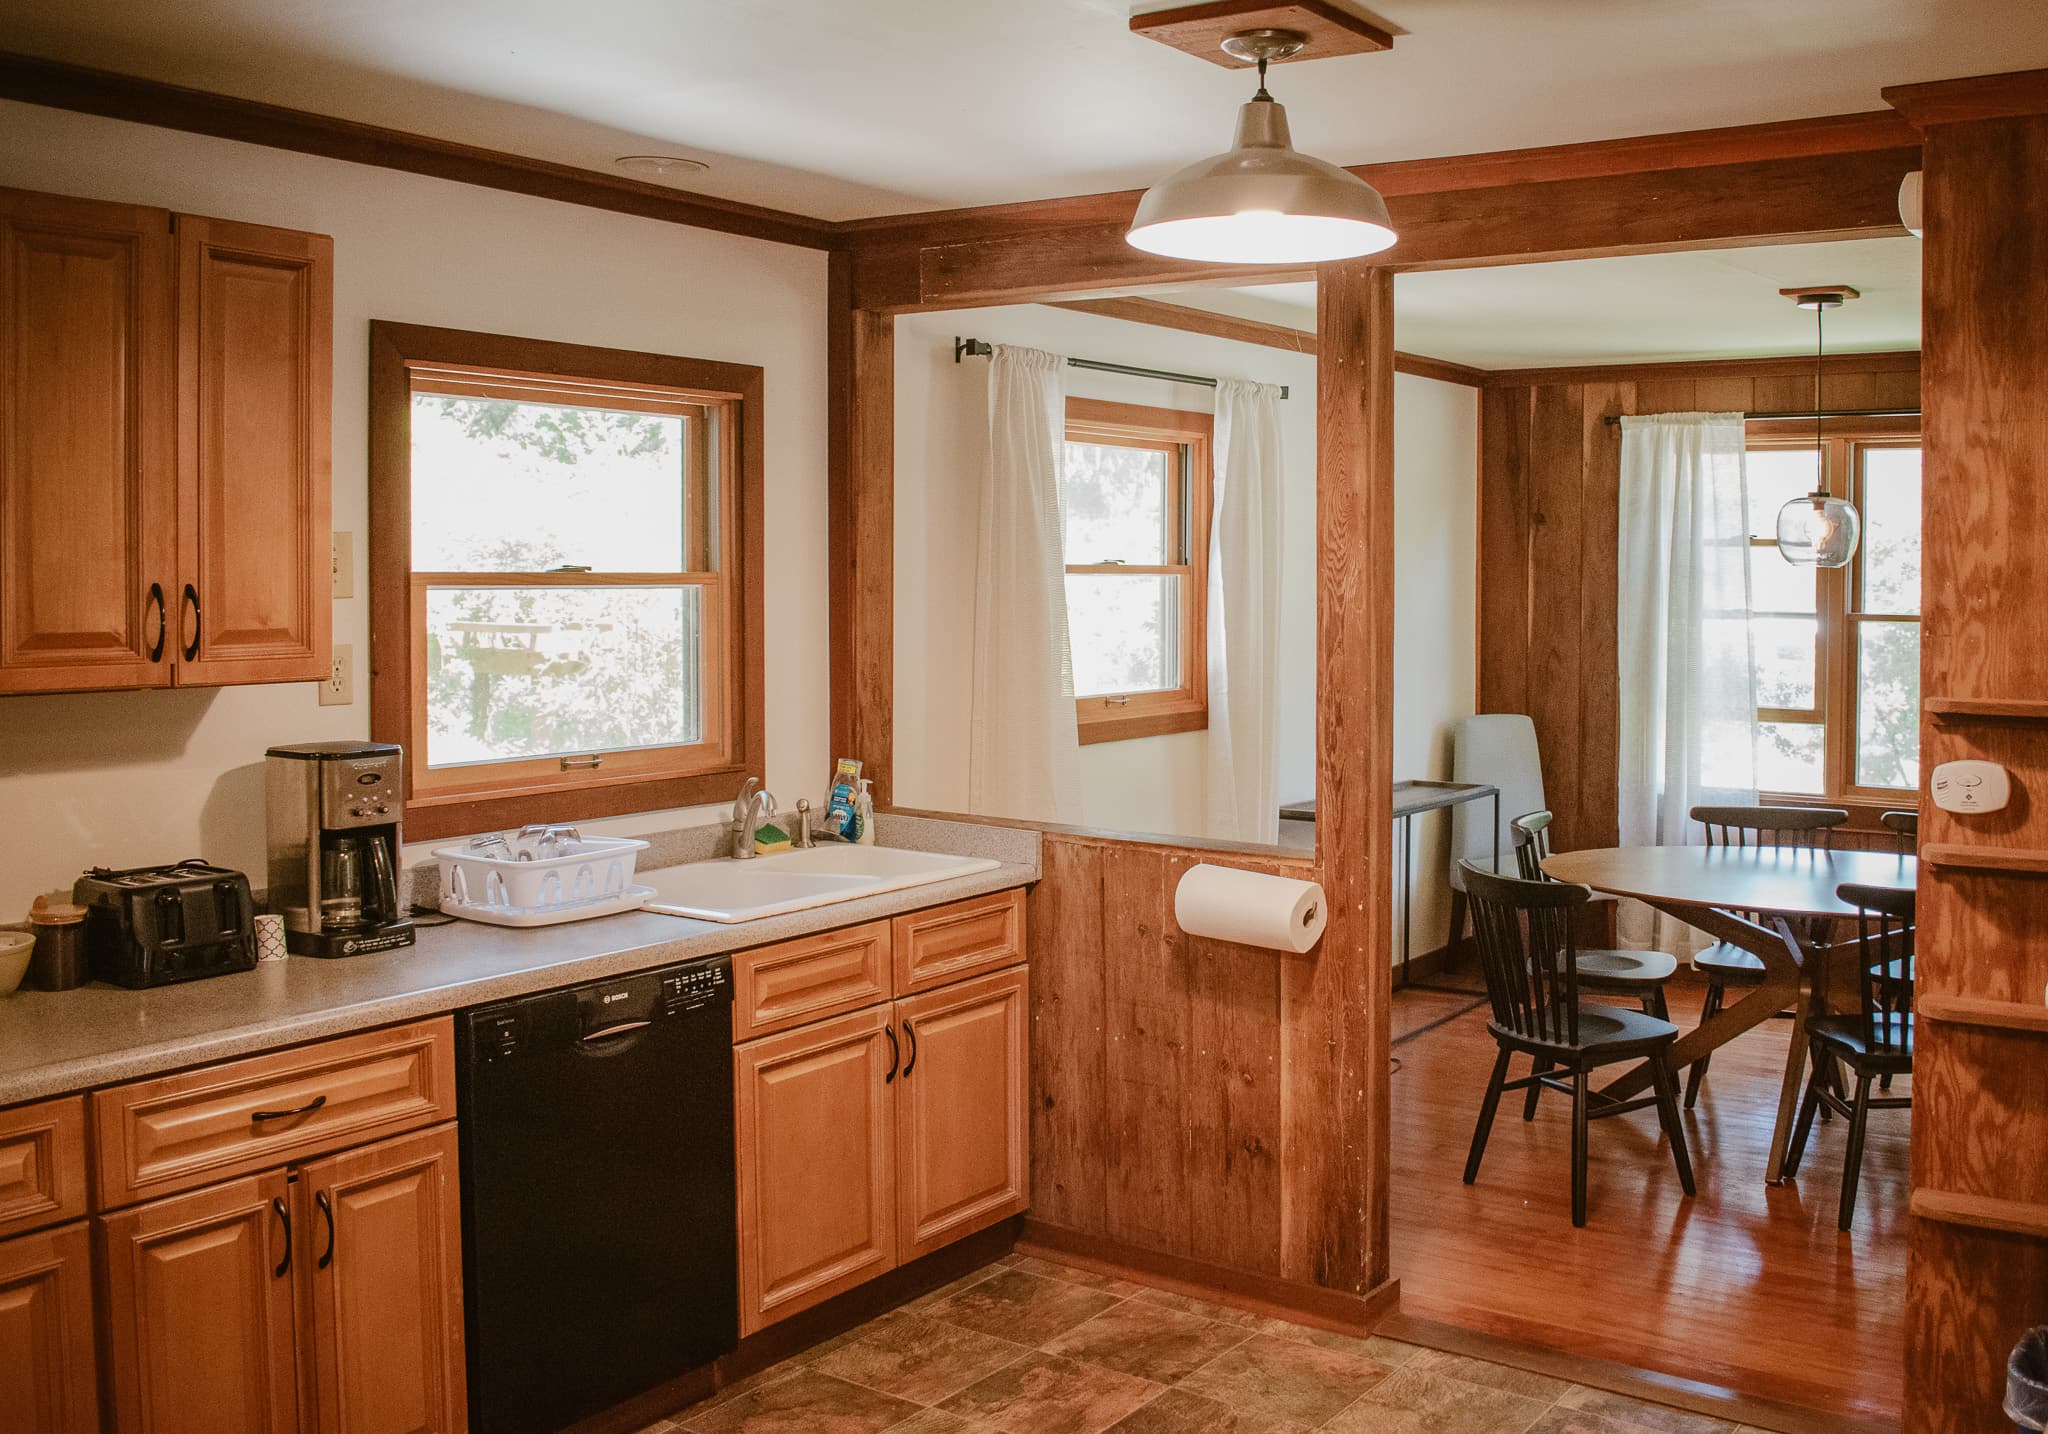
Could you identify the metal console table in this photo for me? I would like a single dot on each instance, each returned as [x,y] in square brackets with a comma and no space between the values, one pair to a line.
[1411,800]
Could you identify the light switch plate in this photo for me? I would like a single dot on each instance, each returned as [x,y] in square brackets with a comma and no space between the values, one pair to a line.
[1972,787]
[342,554]
[339,690]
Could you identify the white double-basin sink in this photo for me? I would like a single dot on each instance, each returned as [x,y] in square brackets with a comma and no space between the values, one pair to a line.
[733,891]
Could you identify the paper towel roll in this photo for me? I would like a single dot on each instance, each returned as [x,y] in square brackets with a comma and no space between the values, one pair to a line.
[1249,908]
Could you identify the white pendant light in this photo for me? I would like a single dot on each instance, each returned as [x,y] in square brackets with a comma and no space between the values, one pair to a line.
[1262,201]
[1819,530]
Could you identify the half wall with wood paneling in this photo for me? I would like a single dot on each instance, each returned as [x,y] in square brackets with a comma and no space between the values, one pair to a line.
[1549,495]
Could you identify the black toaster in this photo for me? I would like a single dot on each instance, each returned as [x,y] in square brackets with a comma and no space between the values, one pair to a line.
[153,925]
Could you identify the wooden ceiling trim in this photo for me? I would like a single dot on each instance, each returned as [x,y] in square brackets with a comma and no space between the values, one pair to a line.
[1829,135]
[1758,201]
[1200,30]
[1897,361]
[101,92]
[1442,370]
[1978,97]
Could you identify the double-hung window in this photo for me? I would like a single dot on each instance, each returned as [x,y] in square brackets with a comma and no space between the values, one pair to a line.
[1135,486]
[1837,650]
[574,610]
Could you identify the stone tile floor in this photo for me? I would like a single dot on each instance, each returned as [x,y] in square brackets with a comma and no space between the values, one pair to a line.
[1030,1347]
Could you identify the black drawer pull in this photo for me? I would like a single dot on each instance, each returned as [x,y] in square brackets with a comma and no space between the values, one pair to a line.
[895,1053]
[911,1032]
[192,600]
[156,598]
[307,1109]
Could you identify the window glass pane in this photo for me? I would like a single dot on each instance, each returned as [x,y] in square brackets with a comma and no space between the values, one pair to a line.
[1790,757]
[532,672]
[1785,655]
[1125,632]
[1888,704]
[1116,501]
[1891,530]
[1775,477]
[1778,586]
[506,486]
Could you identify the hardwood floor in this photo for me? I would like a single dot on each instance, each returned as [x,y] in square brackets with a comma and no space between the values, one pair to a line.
[1744,1286]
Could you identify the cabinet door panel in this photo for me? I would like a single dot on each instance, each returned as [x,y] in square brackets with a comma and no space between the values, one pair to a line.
[47,1379]
[197,1294]
[960,1111]
[87,475]
[255,358]
[384,1345]
[817,1175]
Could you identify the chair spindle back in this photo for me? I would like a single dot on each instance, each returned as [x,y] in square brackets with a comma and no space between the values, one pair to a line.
[1884,930]
[1531,832]
[1528,953]
[1904,825]
[1810,827]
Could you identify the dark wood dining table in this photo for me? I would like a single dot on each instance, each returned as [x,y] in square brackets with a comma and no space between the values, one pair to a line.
[1773,902]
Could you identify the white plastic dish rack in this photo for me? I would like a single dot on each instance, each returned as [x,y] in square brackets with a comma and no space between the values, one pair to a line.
[594,877]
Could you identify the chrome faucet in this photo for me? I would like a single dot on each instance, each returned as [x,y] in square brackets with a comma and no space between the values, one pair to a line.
[752,807]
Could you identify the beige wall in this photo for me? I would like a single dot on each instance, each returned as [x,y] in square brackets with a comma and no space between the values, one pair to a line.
[129,778]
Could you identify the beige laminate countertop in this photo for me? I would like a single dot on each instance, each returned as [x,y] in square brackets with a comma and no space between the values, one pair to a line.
[53,1042]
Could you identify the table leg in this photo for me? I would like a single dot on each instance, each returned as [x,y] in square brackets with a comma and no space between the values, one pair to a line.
[1813,1000]
[1781,956]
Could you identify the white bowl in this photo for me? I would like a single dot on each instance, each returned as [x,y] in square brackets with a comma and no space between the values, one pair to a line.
[15,949]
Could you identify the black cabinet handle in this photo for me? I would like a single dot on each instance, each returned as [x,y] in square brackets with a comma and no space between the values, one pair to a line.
[326,1209]
[307,1109]
[192,599]
[284,1218]
[895,1053]
[156,596]
[911,1032]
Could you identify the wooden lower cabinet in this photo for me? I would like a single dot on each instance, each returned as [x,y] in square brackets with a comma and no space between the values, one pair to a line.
[960,1111]
[379,1255]
[870,1139]
[48,1380]
[196,1296]
[817,1169]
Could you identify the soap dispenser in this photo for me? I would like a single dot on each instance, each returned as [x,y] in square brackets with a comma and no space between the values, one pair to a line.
[864,815]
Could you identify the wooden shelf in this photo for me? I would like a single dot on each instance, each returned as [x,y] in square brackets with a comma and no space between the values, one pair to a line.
[1977,1011]
[1982,1212]
[2008,860]
[1986,709]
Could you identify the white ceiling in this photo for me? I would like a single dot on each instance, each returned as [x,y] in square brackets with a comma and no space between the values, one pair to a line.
[1646,308]
[847,108]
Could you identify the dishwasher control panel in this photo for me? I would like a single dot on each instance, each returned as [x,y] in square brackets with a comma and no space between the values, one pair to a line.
[688,987]
[596,1014]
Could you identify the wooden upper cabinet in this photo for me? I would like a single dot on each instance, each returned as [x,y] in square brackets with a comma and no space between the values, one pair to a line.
[961,1111]
[87,427]
[255,397]
[196,1300]
[380,1256]
[817,1172]
[48,1376]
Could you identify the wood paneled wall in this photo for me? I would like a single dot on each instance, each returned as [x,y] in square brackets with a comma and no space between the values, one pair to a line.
[1977,1275]
[1549,493]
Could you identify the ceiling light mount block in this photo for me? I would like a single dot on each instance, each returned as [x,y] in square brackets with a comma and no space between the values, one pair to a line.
[1821,296]
[1207,31]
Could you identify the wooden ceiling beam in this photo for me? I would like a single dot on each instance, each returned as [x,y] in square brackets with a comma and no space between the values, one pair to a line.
[101,92]
[1788,200]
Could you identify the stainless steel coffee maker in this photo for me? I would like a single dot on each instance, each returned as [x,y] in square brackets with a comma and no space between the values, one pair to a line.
[334,809]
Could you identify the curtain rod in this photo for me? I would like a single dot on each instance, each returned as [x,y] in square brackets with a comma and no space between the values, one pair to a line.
[981,348]
[1810,414]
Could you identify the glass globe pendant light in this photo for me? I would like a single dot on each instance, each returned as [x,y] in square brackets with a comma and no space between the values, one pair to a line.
[1262,201]
[1819,530]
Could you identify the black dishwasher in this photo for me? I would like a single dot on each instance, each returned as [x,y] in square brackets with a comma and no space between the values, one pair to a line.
[600,1255]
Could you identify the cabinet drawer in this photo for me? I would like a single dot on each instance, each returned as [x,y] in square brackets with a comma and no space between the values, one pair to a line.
[42,1164]
[947,943]
[175,1132]
[776,987]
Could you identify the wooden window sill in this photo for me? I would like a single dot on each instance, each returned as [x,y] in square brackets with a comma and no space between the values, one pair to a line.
[1126,726]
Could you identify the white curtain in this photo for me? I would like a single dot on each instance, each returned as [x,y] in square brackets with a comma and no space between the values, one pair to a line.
[1688,693]
[1244,614]
[1025,756]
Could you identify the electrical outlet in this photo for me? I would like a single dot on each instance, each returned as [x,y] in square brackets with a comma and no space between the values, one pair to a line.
[342,554]
[339,690]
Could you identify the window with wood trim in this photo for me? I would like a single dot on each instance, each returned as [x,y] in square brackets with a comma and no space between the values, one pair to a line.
[1135,486]
[1837,650]
[565,554]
